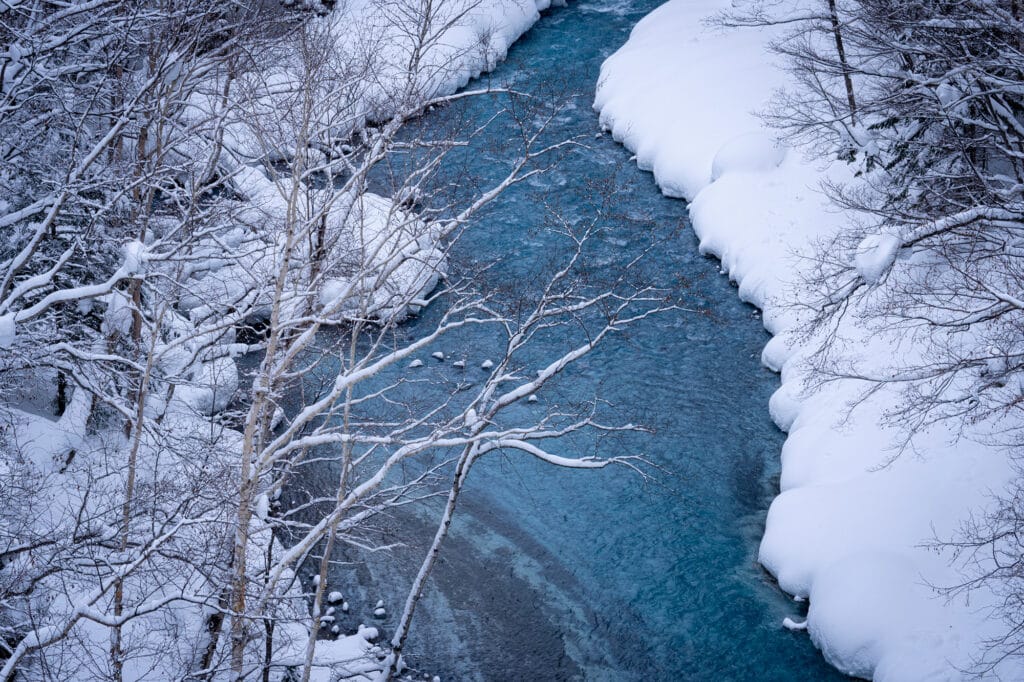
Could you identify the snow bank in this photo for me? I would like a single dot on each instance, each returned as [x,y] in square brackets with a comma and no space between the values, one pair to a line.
[850,526]
[386,57]
[662,108]
[380,261]
[464,39]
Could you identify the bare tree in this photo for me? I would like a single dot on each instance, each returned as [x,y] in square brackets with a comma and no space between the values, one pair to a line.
[345,254]
[210,193]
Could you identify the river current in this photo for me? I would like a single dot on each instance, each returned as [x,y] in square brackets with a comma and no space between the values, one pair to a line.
[553,574]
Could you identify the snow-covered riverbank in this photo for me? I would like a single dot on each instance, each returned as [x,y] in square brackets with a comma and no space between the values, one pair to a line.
[850,530]
[170,446]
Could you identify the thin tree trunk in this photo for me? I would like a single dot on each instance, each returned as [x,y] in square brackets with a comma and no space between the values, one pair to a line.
[346,465]
[844,64]
[268,623]
[416,592]
[62,392]
[214,625]
[135,431]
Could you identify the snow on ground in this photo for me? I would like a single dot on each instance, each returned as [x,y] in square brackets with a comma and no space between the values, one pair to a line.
[463,39]
[386,58]
[378,47]
[847,531]
[394,259]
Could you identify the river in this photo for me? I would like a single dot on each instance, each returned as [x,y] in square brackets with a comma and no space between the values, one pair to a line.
[554,574]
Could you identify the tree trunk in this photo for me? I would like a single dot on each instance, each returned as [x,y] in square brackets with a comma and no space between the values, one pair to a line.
[843,63]
[416,592]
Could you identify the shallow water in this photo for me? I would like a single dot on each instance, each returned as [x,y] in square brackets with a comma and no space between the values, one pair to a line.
[554,574]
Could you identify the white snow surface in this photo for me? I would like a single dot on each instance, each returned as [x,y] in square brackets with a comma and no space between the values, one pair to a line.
[462,40]
[851,526]
[875,255]
[6,330]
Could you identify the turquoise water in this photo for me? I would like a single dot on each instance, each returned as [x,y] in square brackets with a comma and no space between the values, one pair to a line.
[554,574]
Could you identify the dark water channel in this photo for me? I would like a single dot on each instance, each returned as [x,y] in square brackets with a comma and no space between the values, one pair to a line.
[553,574]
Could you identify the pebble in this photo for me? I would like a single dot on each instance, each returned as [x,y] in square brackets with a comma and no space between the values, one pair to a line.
[437,355]
[459,364]
[379,613]
[344,607]
[486,364]
[334,598]
[532,399]
[415,363]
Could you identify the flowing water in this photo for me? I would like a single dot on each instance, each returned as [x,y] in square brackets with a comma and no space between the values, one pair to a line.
[554,574]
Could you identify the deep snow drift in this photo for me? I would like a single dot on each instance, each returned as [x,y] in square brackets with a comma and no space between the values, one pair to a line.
[850,530]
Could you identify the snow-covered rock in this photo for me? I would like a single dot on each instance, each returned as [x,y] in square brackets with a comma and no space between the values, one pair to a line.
[6,330]
[277,418]
[791,624]
[211,388]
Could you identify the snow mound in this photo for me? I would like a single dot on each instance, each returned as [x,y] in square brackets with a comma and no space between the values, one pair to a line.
[747,153]
[875,255]
[213,386]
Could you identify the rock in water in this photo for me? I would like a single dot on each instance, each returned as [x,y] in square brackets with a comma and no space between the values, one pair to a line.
[791,624]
